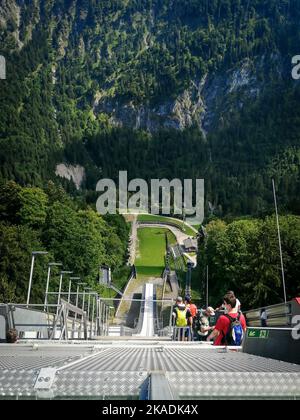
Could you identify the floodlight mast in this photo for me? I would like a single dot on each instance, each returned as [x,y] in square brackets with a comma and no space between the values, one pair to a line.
[50,265]
[34,254]
[60,288]
[70,286]
[280,243]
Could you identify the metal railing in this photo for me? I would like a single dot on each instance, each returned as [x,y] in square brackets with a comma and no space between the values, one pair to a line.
[58,321]
[276,316]
[182,334]
[129,320]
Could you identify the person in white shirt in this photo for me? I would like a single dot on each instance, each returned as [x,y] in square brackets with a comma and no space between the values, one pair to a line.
[263,317]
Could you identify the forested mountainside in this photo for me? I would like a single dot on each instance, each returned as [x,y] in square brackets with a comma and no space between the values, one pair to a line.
[191,88]
[35,219]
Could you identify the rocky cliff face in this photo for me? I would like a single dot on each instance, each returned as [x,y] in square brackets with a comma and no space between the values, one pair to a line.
[111,59]
[206,103]
[16,25]
[71,173]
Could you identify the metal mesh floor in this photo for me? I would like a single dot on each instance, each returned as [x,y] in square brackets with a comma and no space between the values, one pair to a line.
[118,370]
[32,357]
[180,360]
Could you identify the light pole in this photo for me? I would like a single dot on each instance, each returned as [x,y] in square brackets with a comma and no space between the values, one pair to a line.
[280,243]
[48,282]
[93,313]
[207,280]
[60,287]
[34,254]
[70,288]
[77,293]
[77,306]
[89,289]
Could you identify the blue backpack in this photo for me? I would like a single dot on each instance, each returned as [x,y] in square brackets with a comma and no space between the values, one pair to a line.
[235,335]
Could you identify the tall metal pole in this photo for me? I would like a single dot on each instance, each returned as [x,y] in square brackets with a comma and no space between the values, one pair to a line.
[59,292]
[93,311]
[48,283]
[280,243]
[30,279]
[89,303]
[83,308]
[207,280]
[47,288]
[77,293]
[77,301]
[106,321]
[77,297]
[75,319]
[70,289]
[60,288]
[33,254]
[100,317]
[83,300]
[96,315]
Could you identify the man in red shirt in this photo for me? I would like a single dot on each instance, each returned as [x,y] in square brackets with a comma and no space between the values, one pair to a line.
[224,324]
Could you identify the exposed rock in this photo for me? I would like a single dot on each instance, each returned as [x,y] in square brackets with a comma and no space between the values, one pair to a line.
[185,111]
[71,173]
[203,104]
[10,18]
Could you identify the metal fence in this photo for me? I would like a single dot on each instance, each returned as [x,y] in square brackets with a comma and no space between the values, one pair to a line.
[275,316]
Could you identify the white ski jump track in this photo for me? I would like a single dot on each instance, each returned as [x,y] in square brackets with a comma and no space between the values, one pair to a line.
[148,313]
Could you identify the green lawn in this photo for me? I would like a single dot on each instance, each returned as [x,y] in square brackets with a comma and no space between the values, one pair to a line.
[150,261]
[151,218]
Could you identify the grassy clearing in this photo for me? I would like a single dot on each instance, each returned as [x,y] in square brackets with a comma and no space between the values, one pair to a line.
[150,261]
[183,227]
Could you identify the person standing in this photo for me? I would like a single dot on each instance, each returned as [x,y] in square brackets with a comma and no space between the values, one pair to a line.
[238,303]
[12,336]
[191,306]
[263,318]
[182,320]
[231,327]
[204,327]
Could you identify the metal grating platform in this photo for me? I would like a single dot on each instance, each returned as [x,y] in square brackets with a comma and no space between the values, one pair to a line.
[118,370]
[227,385]
[37,357]
[176,359]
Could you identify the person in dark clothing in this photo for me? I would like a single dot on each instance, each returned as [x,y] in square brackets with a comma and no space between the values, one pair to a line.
[12,336]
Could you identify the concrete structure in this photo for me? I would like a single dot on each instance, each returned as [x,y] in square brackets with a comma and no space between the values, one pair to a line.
[190,245]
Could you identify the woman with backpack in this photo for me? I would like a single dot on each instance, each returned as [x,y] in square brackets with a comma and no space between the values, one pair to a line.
[182,320]
[231,327]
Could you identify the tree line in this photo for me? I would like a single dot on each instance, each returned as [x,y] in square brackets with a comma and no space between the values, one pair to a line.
[244,256]
[35,219]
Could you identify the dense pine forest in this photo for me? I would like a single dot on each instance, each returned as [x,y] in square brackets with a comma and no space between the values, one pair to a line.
[162,88]
[75,68]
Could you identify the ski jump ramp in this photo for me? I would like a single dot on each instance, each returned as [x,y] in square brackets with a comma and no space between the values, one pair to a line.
[147,313]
